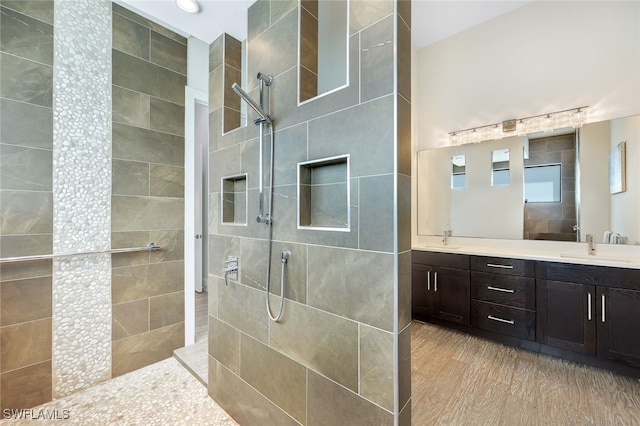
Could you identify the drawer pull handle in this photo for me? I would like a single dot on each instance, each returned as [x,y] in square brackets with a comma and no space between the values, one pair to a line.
[435,282]
[493,265]
[491,317]
[589,306]
[603,305]
[504,290]
[428,280]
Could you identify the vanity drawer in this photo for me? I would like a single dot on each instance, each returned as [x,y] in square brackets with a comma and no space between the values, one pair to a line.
[502,319]
[504,266]
[519,292]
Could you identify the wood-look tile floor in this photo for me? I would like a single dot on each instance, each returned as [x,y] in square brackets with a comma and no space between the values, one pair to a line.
[458,379]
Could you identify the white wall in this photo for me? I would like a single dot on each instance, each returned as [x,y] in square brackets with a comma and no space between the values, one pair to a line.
[594,180]
[434,191]
[542,57]
[626,205]
[482,210]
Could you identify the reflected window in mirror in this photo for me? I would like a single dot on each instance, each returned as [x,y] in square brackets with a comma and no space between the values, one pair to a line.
[500,167]
[458,172]
[323,47]
[542,184]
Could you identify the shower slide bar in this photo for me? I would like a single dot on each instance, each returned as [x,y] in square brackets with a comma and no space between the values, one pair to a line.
[148,247]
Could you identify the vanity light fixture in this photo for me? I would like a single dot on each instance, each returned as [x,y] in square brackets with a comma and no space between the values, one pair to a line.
[189,6]
[574,117]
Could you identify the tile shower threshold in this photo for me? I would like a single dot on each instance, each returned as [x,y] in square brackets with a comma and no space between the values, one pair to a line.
[195,359]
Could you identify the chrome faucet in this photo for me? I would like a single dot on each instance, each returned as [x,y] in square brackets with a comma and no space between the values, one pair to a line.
[591,245]
[445,236]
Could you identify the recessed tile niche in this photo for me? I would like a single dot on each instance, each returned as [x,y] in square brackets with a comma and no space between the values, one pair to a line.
[234,200]
[324,194]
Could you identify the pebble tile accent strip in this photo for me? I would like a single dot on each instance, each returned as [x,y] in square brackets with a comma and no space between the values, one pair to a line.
[81,194]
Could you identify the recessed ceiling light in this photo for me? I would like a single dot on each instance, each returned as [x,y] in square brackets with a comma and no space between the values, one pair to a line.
[189,6]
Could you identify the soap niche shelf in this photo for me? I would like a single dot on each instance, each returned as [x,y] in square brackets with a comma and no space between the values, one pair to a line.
[233,193]
[324,194]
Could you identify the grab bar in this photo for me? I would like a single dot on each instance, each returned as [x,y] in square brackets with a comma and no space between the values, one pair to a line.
[148,247]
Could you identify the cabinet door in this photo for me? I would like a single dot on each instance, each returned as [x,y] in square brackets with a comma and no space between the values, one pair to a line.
[452,299]
[567,315]
[421,290]
[618,320]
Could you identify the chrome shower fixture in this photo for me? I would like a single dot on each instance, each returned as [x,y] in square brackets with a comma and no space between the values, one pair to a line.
[263,116]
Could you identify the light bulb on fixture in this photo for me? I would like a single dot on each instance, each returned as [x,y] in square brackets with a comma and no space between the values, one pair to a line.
[548,123]
[577,118]
[189,6]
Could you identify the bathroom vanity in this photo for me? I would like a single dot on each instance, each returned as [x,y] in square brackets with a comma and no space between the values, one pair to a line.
[577,311]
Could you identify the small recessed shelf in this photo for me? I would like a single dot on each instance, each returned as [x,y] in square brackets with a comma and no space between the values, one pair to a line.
[233,193]
[324,194]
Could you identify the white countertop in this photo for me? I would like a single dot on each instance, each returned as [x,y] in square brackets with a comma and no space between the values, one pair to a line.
[576,253]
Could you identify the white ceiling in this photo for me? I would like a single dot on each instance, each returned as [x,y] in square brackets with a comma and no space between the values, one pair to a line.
[432,20]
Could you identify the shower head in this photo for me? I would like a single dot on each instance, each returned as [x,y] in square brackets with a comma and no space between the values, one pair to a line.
[263,117]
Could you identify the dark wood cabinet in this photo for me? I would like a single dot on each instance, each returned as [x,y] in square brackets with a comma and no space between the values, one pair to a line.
[587,309]
[583,313]
[440,287]
[618,320]
[566,316]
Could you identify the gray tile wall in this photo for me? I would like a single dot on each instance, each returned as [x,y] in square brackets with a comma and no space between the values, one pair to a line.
[26,201]
[149,75]
[347,294]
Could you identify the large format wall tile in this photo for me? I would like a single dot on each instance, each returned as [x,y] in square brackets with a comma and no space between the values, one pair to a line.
[136,74]
[167,181]
[25,344]
[26,37]
[224,345]
[166,309]
[130,37]
[323,342]
[130,107]
[354,284]
[286,382]
[363,13]
[168,53]
[150,213]
[246,405]
[243,308]
[26,169]
[134,143]
[365,132]
[25,124]
[130,177]
[138,351]
[331,404]
[274,51]
[377,60]
[376,366]
[25,300]
[376,213]
[137,282]
[167,117]
[25,212]
[26,81]
[130,318]
[41,10]
[26,387]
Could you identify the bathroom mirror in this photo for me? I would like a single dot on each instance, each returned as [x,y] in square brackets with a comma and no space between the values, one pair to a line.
[558,186]
[323,47]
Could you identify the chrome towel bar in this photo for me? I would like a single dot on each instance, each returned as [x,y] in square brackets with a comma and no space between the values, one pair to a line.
[148,247]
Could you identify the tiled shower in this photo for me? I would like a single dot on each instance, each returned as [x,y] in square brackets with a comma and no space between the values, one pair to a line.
[341,352]
[91,158]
